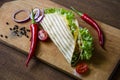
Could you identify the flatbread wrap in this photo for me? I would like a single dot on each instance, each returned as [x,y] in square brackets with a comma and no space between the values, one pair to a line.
[74,42]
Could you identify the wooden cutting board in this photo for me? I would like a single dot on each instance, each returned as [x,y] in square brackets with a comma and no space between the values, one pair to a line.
[101,64]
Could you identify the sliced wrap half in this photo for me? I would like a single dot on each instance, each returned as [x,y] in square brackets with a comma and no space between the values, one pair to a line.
[63,29]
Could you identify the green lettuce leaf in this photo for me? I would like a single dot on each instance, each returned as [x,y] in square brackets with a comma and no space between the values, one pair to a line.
[85,42]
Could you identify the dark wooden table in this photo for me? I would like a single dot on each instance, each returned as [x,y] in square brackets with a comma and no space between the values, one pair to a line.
[11,60]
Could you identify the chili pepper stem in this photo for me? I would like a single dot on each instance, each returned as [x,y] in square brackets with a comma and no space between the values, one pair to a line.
[33,20]
[79,13]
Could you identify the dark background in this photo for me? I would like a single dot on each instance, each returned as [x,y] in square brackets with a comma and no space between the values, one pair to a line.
[11,64]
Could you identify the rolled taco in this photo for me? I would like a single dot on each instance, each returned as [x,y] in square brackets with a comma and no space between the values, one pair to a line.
[74,43]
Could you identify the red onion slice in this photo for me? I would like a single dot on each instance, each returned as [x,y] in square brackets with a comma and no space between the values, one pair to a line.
[41,16]
[21,21]
[36,12]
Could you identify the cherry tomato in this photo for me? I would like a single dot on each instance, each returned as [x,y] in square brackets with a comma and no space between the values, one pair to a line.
[42,35]
[81,68]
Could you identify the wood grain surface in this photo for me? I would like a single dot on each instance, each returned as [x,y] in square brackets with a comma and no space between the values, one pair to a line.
[16,59]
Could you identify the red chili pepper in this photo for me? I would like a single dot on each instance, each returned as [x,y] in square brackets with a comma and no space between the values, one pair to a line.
[91,22]
[34,37]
